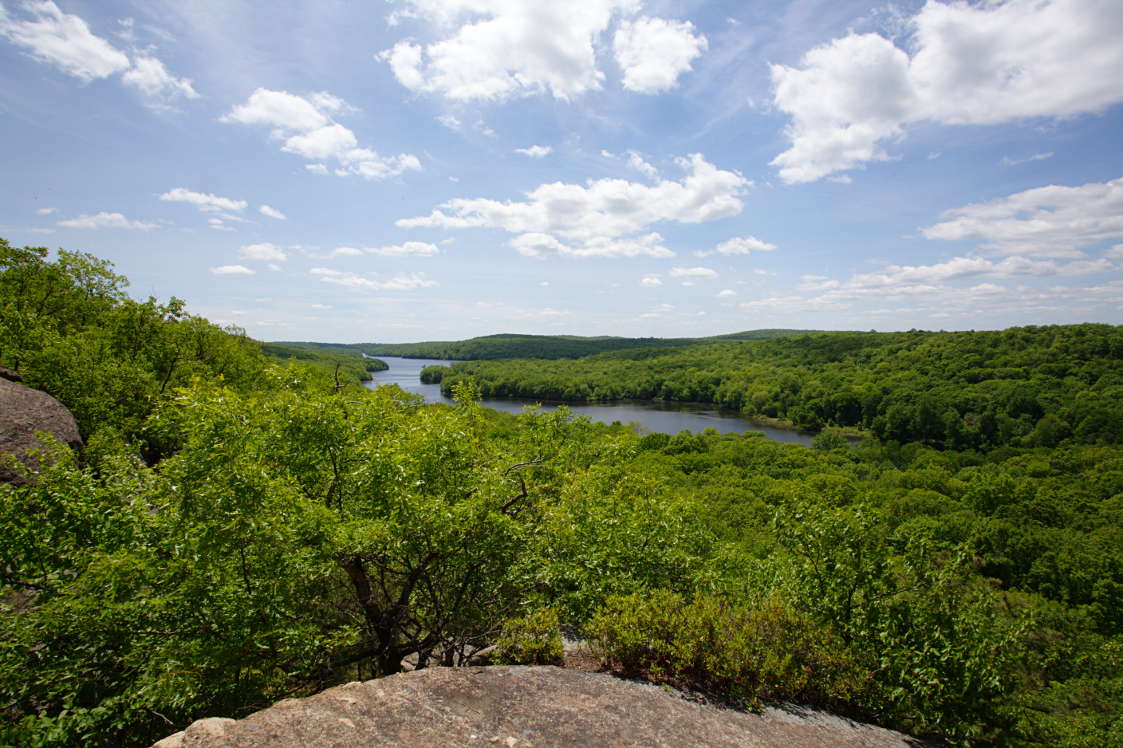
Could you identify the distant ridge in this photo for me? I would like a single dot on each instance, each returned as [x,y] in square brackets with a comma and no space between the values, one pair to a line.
[514,345]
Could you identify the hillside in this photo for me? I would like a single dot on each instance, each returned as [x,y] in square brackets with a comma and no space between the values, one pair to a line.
[505,345]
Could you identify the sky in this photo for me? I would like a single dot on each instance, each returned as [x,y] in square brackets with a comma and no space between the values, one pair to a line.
[368,171]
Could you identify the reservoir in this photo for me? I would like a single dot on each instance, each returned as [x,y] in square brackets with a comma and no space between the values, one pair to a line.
[667,418]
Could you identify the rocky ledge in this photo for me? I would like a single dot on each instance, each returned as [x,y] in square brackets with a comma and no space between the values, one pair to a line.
[522,706]
[24,412]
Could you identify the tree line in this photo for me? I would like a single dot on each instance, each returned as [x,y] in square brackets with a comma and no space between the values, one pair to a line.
[1032,386]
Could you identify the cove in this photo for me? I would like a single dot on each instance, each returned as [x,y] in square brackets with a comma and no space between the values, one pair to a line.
[656,417]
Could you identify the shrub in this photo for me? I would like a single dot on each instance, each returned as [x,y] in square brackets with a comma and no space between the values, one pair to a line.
[766,653]
[534,639]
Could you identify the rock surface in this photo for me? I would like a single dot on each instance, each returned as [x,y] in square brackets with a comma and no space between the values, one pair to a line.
[23,412]
[521,706]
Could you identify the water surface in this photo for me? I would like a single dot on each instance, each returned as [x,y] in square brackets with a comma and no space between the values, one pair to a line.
[656,417]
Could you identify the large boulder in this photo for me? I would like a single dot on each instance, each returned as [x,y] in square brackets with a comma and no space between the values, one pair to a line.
[521,706]
[23,413]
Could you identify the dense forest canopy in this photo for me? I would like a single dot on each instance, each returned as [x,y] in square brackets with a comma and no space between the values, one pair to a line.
[501,346]
[238,530]
[960,390]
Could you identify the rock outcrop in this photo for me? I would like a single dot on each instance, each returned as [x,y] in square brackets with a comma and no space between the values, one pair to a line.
[522,706]
[25,411]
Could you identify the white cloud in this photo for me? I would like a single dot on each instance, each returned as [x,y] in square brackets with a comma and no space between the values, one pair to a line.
[1008,161]
[738,245]
[63,40]
[450,122]
[895,276]
[978,64]
[654,52]
[355,281]
[816,283]
[279,109]
[535,151]
[601,217]
[538,245]
[44,211]
[305,127]
[726,293]
[149,76]
[650,281]
[219,225]
[697,272]
[203,200]
[503,49]
[346,252]
[405,249]
[104,220]
[265,210]
[1115,252]
[232,270]
[1052,221]
[264,252]
[636,161]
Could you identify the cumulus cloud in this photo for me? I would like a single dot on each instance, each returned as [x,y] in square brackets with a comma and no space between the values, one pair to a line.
[650,281]
[1052,221]
[963,64]
[726,293]
[654,52]
[204,201]
[264,252]
[505,48]
[738,245]
[535,151]
[265,210]
[499,49]
[304,126]
[44,211]
[600,218]
[63,40]
[104,220]
[345,252]
[358,282]
[149,76]
[232,270]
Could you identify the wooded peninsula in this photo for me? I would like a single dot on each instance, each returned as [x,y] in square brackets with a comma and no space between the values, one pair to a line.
[247,522]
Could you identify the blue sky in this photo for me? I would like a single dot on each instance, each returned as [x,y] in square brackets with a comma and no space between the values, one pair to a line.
[437,169]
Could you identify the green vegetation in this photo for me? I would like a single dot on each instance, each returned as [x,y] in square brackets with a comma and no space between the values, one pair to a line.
[966,390]
[503,346]
[238,531]
[348,363]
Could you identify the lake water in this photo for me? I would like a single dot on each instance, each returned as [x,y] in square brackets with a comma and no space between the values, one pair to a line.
[667,418]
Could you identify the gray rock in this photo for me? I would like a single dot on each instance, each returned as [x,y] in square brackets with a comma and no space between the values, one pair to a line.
[522,706]
[23,412]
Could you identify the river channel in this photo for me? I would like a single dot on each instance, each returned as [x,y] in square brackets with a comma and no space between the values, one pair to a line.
[667,418]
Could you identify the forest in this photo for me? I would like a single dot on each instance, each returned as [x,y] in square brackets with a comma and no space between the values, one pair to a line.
[240,529]
[1025,386]
[502,346]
